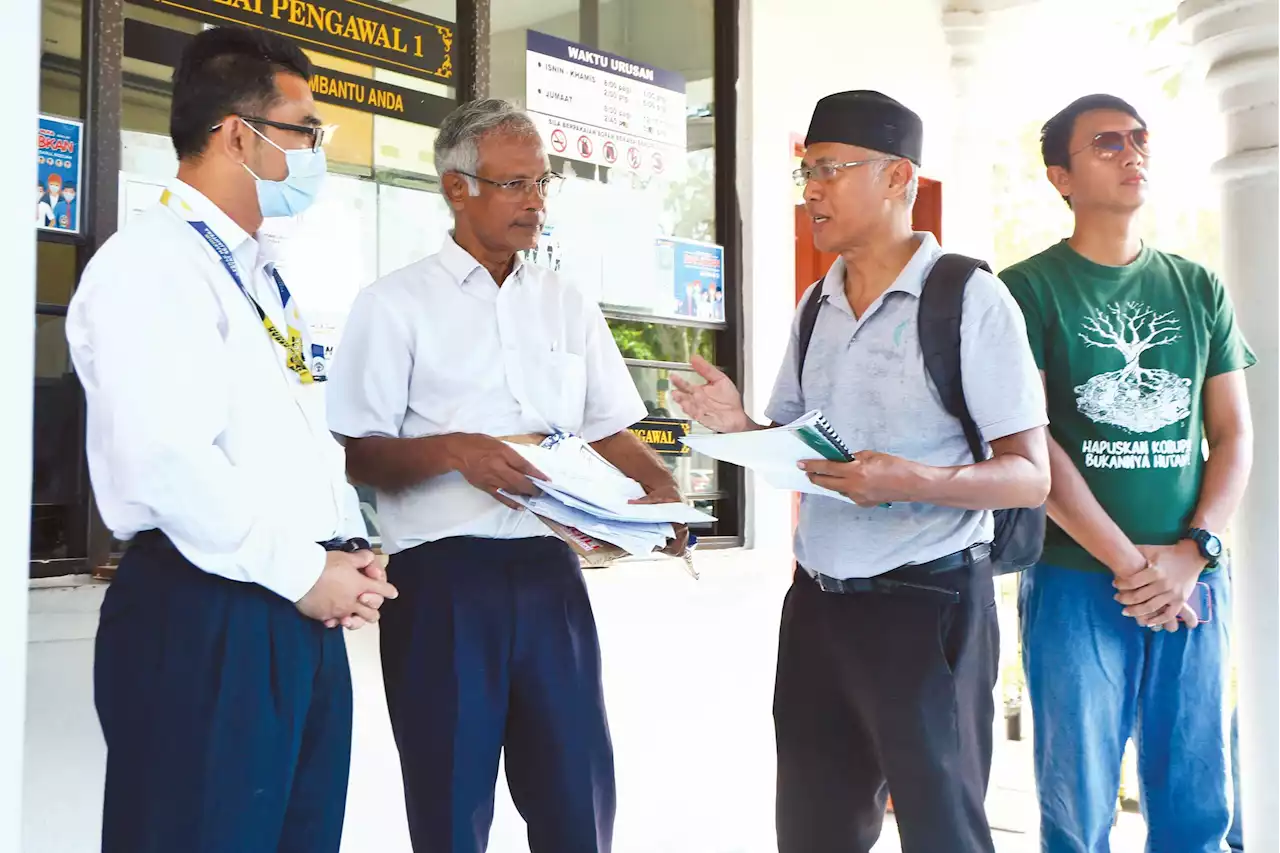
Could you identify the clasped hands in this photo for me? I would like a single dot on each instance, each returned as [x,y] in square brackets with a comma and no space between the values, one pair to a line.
[1159,594]
[350,591]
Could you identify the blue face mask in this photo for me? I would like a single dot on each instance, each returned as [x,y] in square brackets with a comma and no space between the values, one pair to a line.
[301,185]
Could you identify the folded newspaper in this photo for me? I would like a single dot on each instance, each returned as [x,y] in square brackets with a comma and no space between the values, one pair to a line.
[586,501]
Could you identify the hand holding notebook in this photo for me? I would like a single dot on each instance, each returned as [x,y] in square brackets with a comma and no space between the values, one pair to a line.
[777,452]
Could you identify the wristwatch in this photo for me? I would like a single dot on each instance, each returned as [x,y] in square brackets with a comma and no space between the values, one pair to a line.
[1209,544]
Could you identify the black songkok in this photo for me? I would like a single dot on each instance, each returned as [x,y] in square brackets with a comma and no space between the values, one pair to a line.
[868,120]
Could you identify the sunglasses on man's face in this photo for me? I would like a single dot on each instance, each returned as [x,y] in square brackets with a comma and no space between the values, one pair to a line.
[1110,143]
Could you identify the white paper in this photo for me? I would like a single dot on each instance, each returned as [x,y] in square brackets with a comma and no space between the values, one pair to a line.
[585,491]
[624,511]
[773,453]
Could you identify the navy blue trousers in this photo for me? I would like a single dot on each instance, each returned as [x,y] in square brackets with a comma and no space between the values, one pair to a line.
[227,715]
[492,647]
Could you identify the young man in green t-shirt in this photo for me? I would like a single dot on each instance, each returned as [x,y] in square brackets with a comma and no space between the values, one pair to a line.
[1143,364]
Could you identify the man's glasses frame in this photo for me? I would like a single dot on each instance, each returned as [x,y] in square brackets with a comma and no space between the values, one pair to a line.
[320,134]
[546,186]
[1110,143]
[827,171]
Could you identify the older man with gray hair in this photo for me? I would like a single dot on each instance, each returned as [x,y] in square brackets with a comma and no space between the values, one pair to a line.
[494,645]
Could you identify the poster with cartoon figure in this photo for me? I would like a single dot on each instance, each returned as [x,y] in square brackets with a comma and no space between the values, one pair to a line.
[59,162]
[693,276]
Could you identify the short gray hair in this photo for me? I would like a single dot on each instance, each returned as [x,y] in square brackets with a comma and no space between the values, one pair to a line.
[913,185]
[457,147]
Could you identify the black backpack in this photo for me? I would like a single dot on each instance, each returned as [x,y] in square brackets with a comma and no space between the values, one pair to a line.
[1019,536]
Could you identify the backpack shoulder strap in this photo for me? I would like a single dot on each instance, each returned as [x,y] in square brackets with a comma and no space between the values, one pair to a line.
[808,319]
[941,303]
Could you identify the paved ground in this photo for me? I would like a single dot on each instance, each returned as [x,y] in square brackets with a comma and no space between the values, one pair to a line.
[689,680]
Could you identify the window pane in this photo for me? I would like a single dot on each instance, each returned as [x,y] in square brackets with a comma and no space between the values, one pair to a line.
[706,528]
[605,223]
[657,342]
[60,33]
[55,445]
[647,31]
[694,473]
[55,272]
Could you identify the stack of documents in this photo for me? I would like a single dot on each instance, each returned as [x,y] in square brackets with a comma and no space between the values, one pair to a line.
[587,502]
[775,453]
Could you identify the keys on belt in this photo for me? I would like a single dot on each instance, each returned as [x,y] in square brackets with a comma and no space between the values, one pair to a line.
[350,546]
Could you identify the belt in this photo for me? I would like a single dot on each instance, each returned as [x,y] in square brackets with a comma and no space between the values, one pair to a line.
[906,580]
[157,539]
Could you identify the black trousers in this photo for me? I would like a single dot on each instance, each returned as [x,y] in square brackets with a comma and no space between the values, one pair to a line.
[490,648]
[878,693]
[227,715]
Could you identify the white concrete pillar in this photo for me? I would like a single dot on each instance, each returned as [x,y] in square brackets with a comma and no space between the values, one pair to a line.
[967,202]
[1235,42]
[20,70]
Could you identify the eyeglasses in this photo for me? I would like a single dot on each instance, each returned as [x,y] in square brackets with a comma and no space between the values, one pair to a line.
[547,186]
[827,171]
[320,134]
[1109,143]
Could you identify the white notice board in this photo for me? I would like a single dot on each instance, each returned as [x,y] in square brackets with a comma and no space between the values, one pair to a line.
[604,109]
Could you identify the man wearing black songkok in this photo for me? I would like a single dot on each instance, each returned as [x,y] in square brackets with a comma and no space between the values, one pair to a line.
[889,645]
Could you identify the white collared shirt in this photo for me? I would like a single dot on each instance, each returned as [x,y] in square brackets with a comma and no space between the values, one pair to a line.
[195,425]
[438,347]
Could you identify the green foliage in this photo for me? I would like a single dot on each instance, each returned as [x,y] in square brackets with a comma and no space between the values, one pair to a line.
[659,342]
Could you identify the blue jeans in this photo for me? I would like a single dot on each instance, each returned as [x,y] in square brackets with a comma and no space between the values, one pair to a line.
[1096,678]
[1235,838]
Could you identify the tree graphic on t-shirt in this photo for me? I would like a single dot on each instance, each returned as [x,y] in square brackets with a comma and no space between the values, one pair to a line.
[1133,398]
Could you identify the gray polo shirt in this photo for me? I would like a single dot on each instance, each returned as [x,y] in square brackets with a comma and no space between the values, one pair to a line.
[867,375]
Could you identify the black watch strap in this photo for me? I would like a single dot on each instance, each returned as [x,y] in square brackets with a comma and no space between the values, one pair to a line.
[1202,538]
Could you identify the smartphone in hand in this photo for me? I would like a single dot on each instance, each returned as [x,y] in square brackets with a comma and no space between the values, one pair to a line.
[1201,602]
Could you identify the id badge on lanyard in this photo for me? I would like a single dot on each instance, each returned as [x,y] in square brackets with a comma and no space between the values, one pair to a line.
[294,346]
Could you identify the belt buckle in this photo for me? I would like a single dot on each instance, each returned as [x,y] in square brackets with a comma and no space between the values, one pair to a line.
[823,585]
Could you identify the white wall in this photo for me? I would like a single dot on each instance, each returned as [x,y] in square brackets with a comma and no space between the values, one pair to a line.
[791,56]
[19,68]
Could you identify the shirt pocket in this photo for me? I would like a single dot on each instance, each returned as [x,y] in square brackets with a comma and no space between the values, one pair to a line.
[561,380]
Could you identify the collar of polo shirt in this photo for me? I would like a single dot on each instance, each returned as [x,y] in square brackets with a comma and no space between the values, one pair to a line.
[910,280]
[459,263]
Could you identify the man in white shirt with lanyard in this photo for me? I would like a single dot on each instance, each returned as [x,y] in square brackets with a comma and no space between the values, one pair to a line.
[492,644]
[221,683]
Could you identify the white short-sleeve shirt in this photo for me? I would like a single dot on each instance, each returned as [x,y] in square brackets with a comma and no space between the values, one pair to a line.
[438,347]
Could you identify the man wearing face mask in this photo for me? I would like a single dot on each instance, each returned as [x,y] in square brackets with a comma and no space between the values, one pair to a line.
[65,211]
[222,688]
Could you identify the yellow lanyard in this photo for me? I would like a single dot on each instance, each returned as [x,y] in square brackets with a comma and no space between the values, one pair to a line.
[295,358]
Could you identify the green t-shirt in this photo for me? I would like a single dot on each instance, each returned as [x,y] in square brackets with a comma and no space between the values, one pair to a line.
[1125,352]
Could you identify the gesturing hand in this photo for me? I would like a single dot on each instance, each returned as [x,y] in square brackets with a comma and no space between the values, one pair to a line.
[716,404]
[490,465]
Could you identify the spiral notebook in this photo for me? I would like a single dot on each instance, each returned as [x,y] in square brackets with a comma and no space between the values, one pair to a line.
[775,452]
